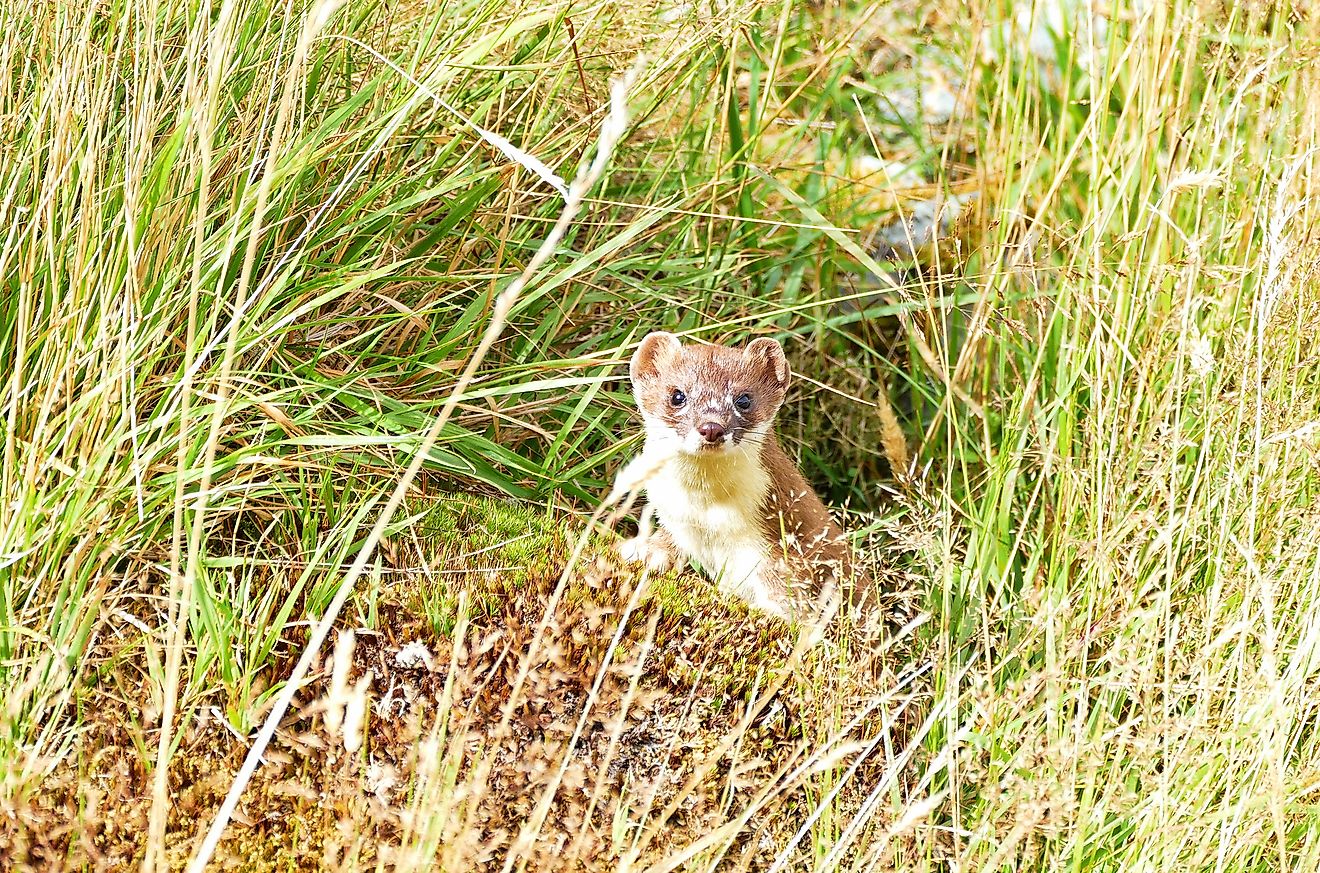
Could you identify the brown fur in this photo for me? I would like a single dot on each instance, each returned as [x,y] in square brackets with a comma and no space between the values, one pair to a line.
[812,544]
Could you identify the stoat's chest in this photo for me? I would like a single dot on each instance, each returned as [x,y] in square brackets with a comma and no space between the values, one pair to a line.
[712,507]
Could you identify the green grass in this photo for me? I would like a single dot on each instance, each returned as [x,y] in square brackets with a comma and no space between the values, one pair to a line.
[244,259]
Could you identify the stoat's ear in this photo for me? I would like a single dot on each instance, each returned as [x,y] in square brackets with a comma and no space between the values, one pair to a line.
[767,356]
[654,352]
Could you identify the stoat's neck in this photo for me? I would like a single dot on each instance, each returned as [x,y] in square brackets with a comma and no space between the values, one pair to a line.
[737,475]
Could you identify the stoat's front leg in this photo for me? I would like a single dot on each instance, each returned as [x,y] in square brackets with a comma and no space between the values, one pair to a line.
[632,478]
[654,548]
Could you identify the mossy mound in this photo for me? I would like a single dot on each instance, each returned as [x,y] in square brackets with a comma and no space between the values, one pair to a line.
[620,732]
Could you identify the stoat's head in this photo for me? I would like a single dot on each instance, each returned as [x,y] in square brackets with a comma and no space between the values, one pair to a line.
[704,400]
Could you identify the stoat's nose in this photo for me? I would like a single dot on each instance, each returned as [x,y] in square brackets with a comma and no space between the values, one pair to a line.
[711,431]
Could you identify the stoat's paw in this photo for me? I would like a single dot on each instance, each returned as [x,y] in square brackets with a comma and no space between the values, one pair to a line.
[633,550]
[644,550]
[660,560]
[758,594]
[776,607]
[770,604]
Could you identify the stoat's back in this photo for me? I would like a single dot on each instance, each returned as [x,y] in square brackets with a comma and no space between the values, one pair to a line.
[796,521]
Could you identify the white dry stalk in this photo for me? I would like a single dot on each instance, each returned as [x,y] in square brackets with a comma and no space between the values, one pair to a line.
[615,737]
[1200,353]
[1303,432]
[914,815]
[860,756]
[1273,287]
[611,131]
[427,811]
[1279,243]
[880,791]
[547,618]
[528,161]
[1197,180]
[336,699]
[807,639]
[355,714]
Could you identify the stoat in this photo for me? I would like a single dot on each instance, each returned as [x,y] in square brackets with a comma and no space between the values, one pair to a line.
[725,494]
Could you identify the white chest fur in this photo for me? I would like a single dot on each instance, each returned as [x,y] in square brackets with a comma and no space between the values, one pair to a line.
[711,507]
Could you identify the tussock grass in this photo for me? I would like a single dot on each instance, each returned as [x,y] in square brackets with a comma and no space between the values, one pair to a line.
[248,248]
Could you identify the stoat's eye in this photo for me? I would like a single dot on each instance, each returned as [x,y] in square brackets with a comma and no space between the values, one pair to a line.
[678,398]
[743,402]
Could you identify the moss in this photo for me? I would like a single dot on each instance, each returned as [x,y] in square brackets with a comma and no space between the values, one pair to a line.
[508,555]
[493,549]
